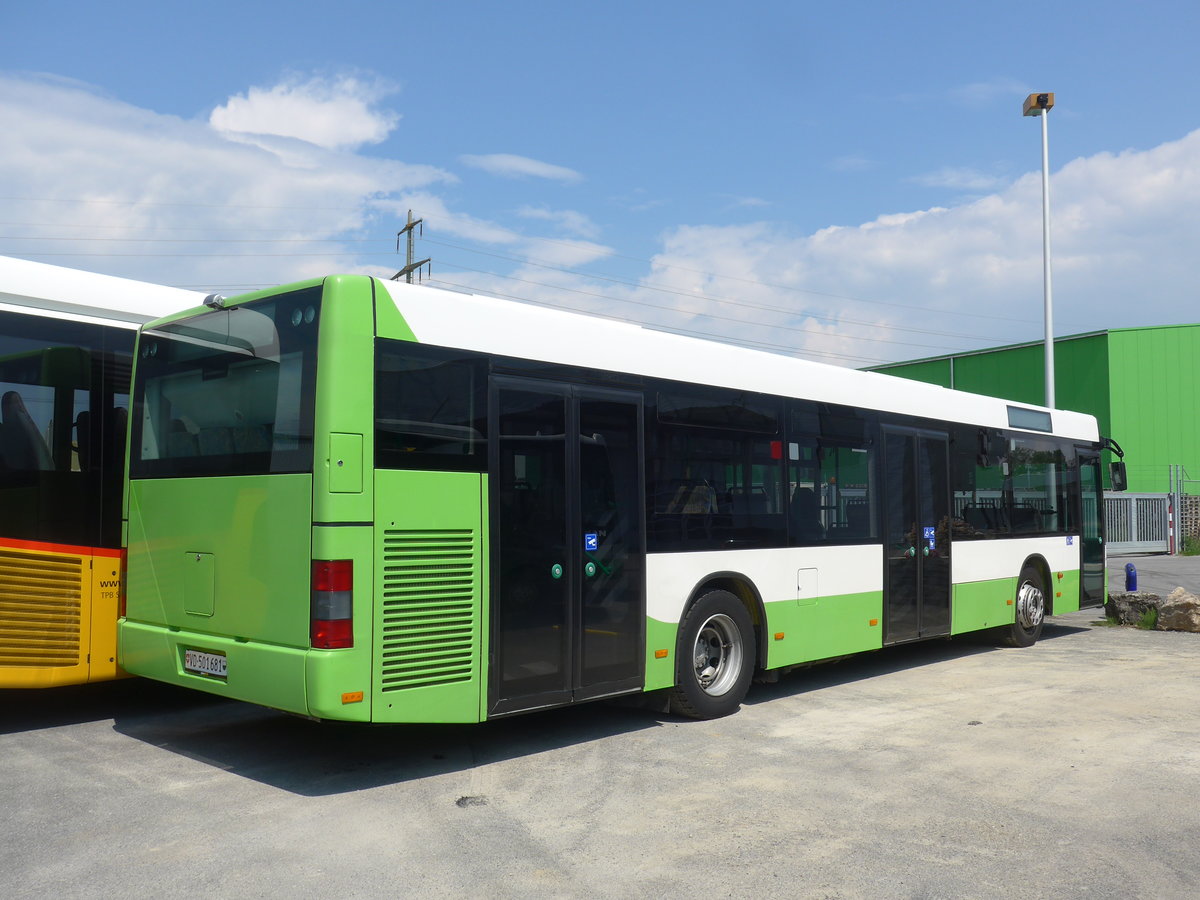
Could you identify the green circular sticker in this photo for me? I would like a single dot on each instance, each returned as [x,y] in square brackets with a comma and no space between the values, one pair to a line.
[556,570]
[590,568]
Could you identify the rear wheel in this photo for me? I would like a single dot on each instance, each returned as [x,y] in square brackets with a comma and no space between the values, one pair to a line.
[714,657]
[1030,610]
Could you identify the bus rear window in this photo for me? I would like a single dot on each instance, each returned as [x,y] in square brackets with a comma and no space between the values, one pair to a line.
[229,392]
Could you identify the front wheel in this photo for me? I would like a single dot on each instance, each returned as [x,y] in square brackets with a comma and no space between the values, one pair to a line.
[1030,612]
[714,657]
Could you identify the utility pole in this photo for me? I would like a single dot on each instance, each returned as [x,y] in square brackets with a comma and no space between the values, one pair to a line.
[1040,105]
[409,265]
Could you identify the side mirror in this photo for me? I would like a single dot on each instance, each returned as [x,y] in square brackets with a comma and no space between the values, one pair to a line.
[1116,474]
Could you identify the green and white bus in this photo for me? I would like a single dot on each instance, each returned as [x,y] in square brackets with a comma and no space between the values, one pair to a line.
[364,500]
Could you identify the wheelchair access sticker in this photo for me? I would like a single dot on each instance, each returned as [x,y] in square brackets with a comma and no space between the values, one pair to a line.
[931,536]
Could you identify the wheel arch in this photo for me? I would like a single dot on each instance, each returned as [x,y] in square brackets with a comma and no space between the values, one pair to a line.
[742,587]
[1037,561]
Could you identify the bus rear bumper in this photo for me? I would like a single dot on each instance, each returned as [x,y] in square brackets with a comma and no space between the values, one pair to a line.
[265,674]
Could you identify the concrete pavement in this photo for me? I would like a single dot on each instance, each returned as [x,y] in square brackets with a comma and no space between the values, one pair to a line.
[939,770]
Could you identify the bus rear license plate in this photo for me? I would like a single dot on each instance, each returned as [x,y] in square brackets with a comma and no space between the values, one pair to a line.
[205,663]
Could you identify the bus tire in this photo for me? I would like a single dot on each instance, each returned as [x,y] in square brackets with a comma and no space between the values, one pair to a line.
[714,657]
[1030,613]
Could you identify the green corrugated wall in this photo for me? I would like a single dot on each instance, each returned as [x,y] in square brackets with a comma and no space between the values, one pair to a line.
[1156,402]
[1141,384]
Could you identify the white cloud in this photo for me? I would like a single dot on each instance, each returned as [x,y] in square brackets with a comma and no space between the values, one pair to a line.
[334,113]
[852,163]
[265,208]
[567,219]
[433,210]
[1124,232]
[508,165]
[88,166]
[984,93]
[962,179]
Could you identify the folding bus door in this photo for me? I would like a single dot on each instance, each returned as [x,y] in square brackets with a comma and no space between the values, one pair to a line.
[917,540]
[1091,563]
[568,558]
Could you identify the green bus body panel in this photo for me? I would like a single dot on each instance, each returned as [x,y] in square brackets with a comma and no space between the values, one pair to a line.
[829,626]
[259,673]
[430,657]
[983,604]
[344,416]
[1064,594]
[252,532]
[660,673]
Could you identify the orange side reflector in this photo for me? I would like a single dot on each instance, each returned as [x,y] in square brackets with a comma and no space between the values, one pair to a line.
[660,654]
[1060,574]
[352,697]
[1058,593]
[779,635]
[1010,603]
[874,622]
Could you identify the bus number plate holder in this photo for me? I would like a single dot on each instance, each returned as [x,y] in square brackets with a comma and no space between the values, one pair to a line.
[201,663]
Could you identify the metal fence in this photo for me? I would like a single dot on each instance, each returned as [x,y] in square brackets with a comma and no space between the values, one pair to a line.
[1138,523]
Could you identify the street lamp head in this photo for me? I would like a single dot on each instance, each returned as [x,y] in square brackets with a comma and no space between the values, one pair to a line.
[1036,103]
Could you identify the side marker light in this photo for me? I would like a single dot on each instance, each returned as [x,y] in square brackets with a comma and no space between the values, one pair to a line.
[874,622]
[779,635]
[660,654]
[352,697]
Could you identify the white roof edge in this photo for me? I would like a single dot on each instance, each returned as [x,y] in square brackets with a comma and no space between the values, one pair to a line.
[74,293]
[488,324]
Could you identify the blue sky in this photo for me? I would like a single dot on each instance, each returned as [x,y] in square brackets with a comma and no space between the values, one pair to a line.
[852,182]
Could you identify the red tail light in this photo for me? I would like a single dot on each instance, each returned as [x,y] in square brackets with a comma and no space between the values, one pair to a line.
[332,604]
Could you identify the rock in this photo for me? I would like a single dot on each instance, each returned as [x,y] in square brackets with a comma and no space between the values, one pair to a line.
[1129,607]
[1179,612]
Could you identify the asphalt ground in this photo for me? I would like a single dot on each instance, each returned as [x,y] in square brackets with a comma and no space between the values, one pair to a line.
[944,769]
[1159,574]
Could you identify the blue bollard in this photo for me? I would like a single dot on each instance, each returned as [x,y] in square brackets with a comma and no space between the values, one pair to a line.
[1130,577]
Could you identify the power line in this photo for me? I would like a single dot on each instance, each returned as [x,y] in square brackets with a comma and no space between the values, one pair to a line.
[546,265]
[141,240]
[704,314]
[695,296]
[722,338]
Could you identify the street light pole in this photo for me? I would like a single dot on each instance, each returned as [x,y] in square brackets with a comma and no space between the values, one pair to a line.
[1040,105]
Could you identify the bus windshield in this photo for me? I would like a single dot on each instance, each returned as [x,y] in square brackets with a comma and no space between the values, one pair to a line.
[230,392]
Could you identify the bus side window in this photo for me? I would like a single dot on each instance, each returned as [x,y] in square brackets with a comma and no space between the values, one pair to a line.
[831,474]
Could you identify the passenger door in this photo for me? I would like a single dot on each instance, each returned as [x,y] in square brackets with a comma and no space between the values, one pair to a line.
[568,549]
[917,539]
[1091,493]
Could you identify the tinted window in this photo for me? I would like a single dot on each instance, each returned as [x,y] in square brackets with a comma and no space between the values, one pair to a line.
[1006,485]
[1042,482]
[63,397]
[714,408]
[977,474]
[710,490]
[430,408]
[831,466]
[230,392]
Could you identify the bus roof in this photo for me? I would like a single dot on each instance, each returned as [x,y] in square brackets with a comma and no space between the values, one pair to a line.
[31,287]
[504,327]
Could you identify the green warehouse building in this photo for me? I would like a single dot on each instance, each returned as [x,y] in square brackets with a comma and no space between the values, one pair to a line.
[1142,385]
